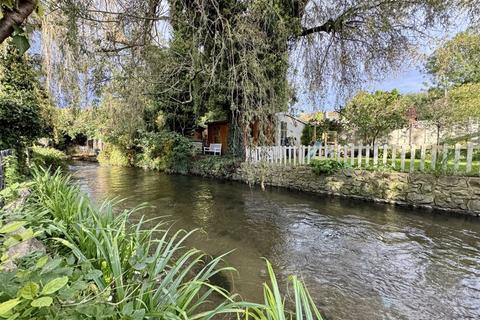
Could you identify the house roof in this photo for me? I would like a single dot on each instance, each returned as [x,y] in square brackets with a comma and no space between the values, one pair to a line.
[293,117]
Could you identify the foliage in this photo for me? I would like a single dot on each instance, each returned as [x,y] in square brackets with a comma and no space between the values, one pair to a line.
[307,135]
[48,157]
[114,155]
[326,166]
[24,105]
[12,173]
[212,166]
[456,61]
[164,151]
[465,101]
[274,308]
[375,114]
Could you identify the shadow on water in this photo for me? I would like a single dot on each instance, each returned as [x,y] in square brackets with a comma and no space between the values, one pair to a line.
[360,260]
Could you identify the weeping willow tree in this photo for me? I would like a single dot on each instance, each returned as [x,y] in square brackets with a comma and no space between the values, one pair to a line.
[239,57]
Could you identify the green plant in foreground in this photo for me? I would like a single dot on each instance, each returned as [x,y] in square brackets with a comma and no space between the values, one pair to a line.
[326,166]
[120,269]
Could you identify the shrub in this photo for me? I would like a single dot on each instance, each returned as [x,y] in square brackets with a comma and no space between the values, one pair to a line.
[215,166]
[11,172]
[114,156]
[48,158]
[326,166]
[165,151]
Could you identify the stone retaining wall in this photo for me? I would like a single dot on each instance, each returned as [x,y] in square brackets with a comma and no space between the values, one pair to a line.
[450,193]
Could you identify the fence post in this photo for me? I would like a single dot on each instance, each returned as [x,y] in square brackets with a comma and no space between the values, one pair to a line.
[360,149]
[402,159]
[445,158]
[468,169]
[375,155]
[367,155]
[456,163]
[345,154]
[422,158]
[352,155]
[294,155]
[412,158]
[309,148]
[433,164]
[385,154]
[394,156]
[284,155]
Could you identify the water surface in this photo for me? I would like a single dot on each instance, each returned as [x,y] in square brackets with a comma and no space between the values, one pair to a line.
[360,260]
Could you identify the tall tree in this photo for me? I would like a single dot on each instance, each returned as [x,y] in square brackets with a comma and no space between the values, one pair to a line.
[373,115]
[25,109]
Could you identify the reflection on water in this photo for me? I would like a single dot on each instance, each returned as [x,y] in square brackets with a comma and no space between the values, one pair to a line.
[360,260]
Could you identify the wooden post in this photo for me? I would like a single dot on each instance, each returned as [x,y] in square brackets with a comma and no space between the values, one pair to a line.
[445,158]
[394,156]
[375,155]
[309,149]
[456,162]
[385,154]
[412,158]
[360,149]
[352,155]
[433,163]
[345,154]
[402,159]
[468,169]
[284,155]
[423,153]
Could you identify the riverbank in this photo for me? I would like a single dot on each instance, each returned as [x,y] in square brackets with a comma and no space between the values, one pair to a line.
[453,194]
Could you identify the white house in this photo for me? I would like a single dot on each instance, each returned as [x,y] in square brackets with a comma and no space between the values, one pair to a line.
[288,129]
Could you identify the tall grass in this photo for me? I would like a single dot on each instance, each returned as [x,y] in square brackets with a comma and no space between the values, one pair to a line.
[148,271]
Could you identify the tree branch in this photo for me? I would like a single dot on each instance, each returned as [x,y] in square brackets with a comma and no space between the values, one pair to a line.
[16,17]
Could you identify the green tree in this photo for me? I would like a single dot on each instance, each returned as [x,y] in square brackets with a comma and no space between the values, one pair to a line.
[25,109]
[373,115]
[457,61]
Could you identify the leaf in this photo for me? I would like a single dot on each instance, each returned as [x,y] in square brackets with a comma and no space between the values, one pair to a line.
[127,309]
[27,234]
[42,302]
[6,306]
[51,265]
[42,261]
[29,290]
[12,226]
[21,42]
[54,285]
[93,274]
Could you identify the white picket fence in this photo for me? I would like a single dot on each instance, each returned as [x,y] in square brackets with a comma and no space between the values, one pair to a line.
[405,158]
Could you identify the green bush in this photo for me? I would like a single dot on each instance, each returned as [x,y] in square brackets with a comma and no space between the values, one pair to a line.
[165,151]
[211,166]
[114,156]
[48,158]
[11,172]
[326,166]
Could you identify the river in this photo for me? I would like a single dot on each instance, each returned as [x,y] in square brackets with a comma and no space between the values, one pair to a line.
[360,260]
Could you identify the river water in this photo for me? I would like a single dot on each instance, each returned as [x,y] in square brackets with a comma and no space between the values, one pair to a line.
[360,260]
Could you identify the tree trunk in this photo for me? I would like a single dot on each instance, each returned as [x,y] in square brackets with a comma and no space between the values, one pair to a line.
[14,18]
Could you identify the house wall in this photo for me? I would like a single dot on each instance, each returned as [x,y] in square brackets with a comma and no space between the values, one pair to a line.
[294,128]
[425,133]
[218,133]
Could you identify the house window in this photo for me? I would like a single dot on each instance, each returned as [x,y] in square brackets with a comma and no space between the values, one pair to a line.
[283,133]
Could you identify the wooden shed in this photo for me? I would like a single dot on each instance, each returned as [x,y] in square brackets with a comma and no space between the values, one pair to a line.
[218,133]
